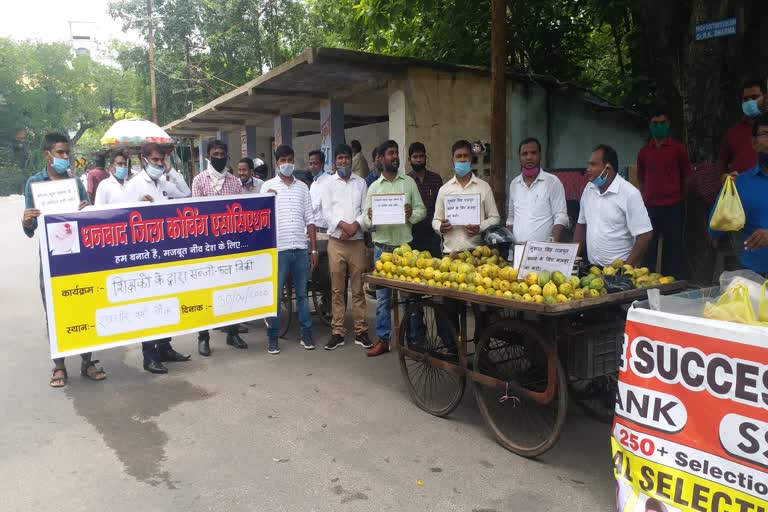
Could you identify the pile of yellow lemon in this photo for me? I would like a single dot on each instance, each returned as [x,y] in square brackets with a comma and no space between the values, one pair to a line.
[483,272]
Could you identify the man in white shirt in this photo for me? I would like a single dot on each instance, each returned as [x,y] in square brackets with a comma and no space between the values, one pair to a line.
[251,184]
[150,185]
[295,220]
[319,176]
[341,205]
[111,190]
[613,220]
[537,209]
[459,238]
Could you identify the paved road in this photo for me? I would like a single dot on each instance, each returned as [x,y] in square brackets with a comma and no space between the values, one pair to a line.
[245,431]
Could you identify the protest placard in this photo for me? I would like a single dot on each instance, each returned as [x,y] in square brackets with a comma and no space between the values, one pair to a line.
[549,256]
[691,424]
[153,271]
[56,196]
[463,209]
[388,209]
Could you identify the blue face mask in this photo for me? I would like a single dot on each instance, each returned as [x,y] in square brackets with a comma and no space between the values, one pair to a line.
[121,172]
[287,170]
[462,168]
[600,180]
[343,172]
[60,165]
[750,108]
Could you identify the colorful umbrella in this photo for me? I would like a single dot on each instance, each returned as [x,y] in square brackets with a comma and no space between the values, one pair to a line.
[135,132]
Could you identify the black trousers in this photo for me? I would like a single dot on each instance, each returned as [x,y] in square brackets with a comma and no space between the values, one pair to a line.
[667,224]
[153,349]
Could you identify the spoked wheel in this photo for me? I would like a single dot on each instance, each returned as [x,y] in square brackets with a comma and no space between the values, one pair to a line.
[435,390]
[527,420]
[321,300]
[286,309]
[597,397]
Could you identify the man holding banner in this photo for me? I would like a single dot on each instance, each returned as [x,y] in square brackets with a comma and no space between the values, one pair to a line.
[56,154]
[149,185]
[216,181]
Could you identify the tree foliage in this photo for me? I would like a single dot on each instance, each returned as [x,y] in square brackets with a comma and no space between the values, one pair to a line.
[45,87]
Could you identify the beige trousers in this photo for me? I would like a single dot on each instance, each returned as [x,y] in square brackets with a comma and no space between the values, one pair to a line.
[347,256]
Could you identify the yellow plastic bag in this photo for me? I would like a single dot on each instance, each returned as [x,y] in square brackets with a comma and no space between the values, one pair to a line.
[728,214]
[762,306]
[733,306]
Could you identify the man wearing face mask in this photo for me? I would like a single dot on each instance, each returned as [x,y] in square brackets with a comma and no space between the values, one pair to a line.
[215,180]
[537,209]
[613,221]
[56,154]
[388,238]
[662,170]
[460,238]
[752,187]
[341,205]
[736,153]
[251,184]
[295,221]
[151,185]
[428,183]
[111,190]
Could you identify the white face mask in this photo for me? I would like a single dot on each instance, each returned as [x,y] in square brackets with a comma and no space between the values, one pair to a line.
[287,170]
[154,171]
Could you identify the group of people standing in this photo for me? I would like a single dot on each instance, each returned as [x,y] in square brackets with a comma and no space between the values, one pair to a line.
[616,220]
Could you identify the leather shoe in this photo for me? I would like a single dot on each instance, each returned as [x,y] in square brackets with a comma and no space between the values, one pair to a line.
[203,347]
[236,341]
[381,347]
[171,356]
[154,366]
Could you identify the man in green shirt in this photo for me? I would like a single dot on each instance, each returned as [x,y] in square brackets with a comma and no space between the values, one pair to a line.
[387,238]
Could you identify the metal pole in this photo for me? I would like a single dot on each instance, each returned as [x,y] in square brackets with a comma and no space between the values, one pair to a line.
[151,39]
[498,103]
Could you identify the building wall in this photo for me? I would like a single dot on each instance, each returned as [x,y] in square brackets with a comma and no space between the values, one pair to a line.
[369,136]
[438,108]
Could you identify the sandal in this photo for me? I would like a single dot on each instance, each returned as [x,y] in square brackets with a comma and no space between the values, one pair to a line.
[88,369]
[61,380]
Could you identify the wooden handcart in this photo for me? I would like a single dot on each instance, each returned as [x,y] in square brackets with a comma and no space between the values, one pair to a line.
[526,361]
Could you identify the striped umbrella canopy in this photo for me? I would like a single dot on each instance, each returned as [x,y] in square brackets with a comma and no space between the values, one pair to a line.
[135,132]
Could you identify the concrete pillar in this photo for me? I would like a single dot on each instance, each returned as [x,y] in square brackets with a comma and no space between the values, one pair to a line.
[331,129]
[203,152]
[283,131]
[248,141]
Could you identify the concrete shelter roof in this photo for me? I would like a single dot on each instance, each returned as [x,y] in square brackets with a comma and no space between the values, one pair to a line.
[298,87]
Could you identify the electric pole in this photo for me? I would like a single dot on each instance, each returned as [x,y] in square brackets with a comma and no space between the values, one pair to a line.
[151,38]
[499,102]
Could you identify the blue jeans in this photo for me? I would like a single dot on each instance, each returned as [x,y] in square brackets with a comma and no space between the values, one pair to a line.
[296,263]
[383,305]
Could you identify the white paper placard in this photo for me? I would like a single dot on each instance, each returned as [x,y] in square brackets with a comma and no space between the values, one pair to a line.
[463,209]
[388,209]
[552,257]
[56,196]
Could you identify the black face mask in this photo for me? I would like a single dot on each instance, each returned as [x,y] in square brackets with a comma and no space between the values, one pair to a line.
[218,163]
[419,167]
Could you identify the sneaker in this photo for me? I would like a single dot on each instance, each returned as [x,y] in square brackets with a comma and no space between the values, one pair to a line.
[307,342]
[362,340]
[335,342]
[272,347]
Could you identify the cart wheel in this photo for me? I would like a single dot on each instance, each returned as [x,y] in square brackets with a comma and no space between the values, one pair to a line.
[513,350]
[596,397]
[286,309]
[435,390]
